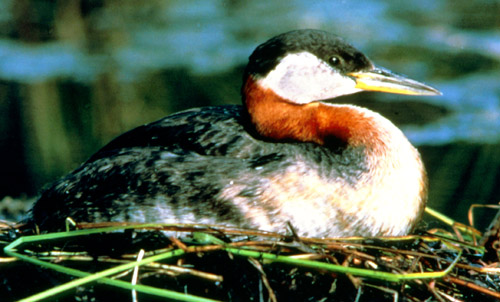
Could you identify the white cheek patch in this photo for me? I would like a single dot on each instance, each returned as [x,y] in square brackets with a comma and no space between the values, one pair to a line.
[303,78]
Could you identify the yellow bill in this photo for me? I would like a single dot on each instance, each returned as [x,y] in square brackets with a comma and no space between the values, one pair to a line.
[379,79]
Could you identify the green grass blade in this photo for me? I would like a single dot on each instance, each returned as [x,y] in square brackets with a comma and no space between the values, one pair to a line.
[360,272]
[100,277]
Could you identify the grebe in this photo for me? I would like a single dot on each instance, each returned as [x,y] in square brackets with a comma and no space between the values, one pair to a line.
[286,156]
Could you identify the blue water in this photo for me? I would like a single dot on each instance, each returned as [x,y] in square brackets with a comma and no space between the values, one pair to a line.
[211,37]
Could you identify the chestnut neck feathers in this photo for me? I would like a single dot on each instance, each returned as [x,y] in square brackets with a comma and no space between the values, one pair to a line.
[282,120]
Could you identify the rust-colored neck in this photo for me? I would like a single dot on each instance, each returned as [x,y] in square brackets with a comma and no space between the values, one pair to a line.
[281,119]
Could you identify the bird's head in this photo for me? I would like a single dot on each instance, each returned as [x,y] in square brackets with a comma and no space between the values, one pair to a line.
[303,66]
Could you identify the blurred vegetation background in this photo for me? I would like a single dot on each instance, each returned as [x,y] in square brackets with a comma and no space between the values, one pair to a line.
[75,73]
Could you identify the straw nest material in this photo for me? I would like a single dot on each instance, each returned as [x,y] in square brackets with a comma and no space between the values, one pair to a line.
[100,262]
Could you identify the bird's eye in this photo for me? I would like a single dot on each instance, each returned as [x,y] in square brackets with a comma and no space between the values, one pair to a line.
[335,60]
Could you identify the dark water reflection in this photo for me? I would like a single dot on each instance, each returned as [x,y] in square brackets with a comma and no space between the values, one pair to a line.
[73,75]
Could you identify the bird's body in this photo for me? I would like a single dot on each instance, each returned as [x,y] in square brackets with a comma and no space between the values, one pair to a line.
[284,157]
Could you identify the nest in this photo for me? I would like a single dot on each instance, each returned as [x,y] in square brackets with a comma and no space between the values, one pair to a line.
[100,262]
